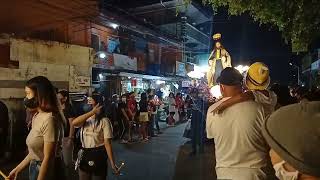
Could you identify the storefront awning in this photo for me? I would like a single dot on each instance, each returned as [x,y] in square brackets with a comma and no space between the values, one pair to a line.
[149,77]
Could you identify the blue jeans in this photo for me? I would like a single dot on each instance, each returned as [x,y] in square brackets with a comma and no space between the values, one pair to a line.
[56,170]
[34,168]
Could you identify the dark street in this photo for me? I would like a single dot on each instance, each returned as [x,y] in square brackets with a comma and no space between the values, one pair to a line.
[166,157]
[163,89]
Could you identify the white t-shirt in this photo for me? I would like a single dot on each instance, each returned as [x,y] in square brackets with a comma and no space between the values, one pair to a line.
[241,151]
[94,134]
[268,103]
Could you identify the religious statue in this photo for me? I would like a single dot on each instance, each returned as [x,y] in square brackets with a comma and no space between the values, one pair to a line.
[219,59]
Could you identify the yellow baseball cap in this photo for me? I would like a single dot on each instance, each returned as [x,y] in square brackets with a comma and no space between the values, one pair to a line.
[257,77]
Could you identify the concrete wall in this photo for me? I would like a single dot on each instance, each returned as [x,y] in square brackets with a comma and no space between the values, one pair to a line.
[17,125]
[61,63]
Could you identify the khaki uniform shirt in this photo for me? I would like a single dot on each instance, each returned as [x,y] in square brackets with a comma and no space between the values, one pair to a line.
[46,127]
[93,134]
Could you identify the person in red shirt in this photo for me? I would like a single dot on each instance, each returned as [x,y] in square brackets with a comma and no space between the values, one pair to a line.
[179,105]
[132,110]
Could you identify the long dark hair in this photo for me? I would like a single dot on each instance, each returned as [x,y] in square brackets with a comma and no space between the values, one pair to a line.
[98,98]
[45,95]
[144,97]
[65,94]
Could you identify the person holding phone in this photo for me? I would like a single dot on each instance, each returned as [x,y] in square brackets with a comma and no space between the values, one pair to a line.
[95,135]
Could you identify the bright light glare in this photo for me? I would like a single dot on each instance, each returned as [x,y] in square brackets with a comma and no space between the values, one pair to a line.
[195,74]
[203,69]
[198,72]
[215,91]
[176,85]
[102,55]
[114,26]
[166,91]
[100,76]
[242,69]
[160,82]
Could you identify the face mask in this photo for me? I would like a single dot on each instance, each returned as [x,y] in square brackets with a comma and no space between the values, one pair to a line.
[30,103]
[87,108]
[282,174]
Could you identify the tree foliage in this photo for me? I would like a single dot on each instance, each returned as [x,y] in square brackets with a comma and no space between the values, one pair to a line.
[298,20]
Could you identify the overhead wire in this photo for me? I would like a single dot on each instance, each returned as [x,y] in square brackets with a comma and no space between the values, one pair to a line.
[79,19]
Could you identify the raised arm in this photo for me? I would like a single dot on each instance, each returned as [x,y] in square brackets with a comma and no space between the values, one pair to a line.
[248,95]
[71,131]
[77,122]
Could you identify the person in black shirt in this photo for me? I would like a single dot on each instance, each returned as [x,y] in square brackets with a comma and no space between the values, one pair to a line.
[123,118]
[144,116]
[4,126]
[188,105]
[113,115]
[152,115]
[69,131]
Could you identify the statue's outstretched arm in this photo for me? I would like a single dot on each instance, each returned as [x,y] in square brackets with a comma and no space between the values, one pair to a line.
[228,59]
[211,55]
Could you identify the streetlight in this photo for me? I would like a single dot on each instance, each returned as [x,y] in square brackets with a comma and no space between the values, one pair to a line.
[102,55]
[114,25]
[298,68]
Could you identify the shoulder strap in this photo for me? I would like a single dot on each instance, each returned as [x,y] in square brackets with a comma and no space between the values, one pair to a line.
[81,135]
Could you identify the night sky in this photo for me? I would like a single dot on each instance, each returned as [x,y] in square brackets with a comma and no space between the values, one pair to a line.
[247,42]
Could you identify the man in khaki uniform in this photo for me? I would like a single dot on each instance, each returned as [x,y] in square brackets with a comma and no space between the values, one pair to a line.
[219,59]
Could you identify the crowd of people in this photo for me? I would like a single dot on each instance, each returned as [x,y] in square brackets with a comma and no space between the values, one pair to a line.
[259,130]
[57,131]
[52,123]
[131,118]
[264,132]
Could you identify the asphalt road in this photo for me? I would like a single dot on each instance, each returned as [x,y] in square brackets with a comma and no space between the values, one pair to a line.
[165,157]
